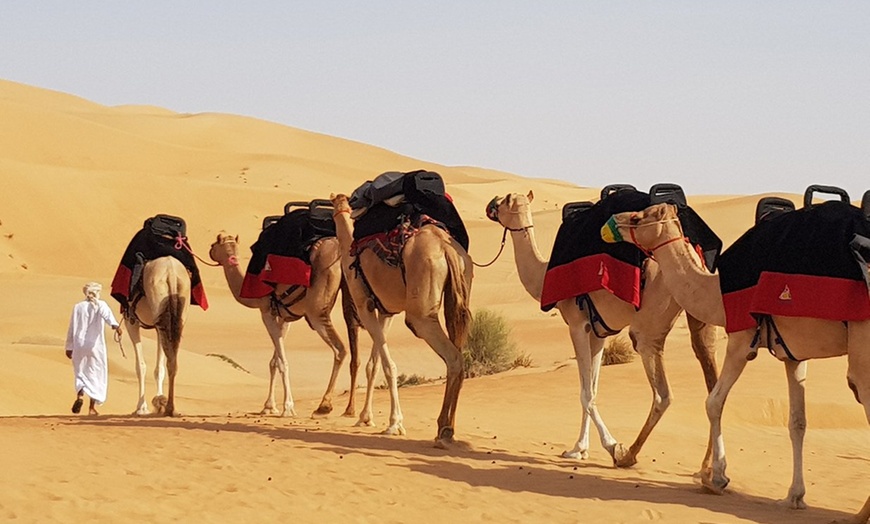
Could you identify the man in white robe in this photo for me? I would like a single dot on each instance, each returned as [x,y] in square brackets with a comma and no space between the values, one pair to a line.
[86,346]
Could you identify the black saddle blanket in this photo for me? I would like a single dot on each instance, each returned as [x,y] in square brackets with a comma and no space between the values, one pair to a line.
[804,263]
[151,243]
[281,254]
[582,262]
[424,195]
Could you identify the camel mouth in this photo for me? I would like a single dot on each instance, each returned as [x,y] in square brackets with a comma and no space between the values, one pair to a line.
[492,209]
[610,231]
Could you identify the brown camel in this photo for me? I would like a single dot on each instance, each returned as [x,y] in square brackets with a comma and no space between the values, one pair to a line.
[435,269]
[314,303]
[650,326]
[658,230]
[163,306]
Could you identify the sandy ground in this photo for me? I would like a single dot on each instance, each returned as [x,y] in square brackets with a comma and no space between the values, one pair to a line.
[76,181]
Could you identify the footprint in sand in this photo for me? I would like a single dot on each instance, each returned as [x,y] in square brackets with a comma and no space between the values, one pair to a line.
[651,514]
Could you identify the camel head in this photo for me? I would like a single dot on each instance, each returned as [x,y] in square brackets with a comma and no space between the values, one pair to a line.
[646,229]
[224,249]
[340,203]
[513,211]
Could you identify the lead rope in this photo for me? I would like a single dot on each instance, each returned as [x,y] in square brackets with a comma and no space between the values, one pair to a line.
[500,249]
[117,337]
[181,242]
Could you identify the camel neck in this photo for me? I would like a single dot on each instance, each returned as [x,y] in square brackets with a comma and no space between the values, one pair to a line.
[693,287]
[531,267]
[235,277]
[343,230]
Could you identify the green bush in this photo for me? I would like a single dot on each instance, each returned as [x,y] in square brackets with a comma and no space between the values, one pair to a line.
[407,380]
[618,350]
[490,348]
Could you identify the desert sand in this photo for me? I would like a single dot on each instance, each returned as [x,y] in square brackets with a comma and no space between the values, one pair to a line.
[76,181]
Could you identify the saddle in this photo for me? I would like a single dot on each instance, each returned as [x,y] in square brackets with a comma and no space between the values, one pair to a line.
[161,235]
[282,252]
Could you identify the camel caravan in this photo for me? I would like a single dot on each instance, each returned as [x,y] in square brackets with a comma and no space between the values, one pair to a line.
[795,283]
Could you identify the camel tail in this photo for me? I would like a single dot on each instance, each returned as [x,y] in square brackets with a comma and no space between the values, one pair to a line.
[457,312]
[170,324]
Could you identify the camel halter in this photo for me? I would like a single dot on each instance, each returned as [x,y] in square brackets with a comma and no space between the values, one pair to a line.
[611,223]
[232,260]
[492,214]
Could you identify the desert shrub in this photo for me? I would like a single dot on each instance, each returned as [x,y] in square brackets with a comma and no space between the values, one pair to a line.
[618,350]
[490,348]
[407,380]
[229,361]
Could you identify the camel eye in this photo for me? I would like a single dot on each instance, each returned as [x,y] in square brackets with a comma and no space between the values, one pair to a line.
[634,220]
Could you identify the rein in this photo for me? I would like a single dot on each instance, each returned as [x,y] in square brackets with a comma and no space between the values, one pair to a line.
[501,248]
[117,337]
[651,251]
[181,242]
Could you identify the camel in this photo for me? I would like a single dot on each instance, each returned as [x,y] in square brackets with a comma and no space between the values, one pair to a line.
[650,326]
[657,230]
[314,303]
[163,306]
[435,270]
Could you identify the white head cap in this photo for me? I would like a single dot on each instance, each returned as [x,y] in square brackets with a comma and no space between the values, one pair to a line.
[92,291]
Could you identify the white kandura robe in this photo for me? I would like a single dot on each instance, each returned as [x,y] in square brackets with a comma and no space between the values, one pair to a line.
[87,341]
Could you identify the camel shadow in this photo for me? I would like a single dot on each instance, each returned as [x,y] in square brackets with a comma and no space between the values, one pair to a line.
[493,468]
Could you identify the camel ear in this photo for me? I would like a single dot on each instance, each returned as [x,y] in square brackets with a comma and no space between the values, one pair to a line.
[237,238]
[332,196]
[531,195]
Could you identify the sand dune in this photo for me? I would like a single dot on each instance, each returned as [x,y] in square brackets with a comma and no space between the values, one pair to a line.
[76,181]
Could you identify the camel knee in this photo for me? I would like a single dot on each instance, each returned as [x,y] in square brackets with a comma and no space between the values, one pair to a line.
[854,389]
[662,402]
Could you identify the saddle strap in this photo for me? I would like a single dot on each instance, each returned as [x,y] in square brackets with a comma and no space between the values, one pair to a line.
[599,327]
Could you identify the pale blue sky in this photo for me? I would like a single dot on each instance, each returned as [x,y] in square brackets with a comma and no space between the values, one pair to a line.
[720,97]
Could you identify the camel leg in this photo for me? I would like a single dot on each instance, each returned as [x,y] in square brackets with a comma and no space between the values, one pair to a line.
[377,326]
[353,343]
[323,326]
[588,350]
[391,374]
[796,373]
[430,330]
[735,361]
[277,328]
[159,400]
[858,377]
[135,337]
[703,337]
[172,369]
[651,354]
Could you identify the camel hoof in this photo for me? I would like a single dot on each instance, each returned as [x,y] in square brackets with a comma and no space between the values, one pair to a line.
[446,434]
[622,458]
[323,409]
[364,422]
[793,502]
[715,485]
[159,402]
[141,412]
[576,455]
[396,429]
[267,410]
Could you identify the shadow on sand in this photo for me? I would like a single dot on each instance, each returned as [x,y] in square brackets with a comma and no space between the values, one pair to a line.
[494,468]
